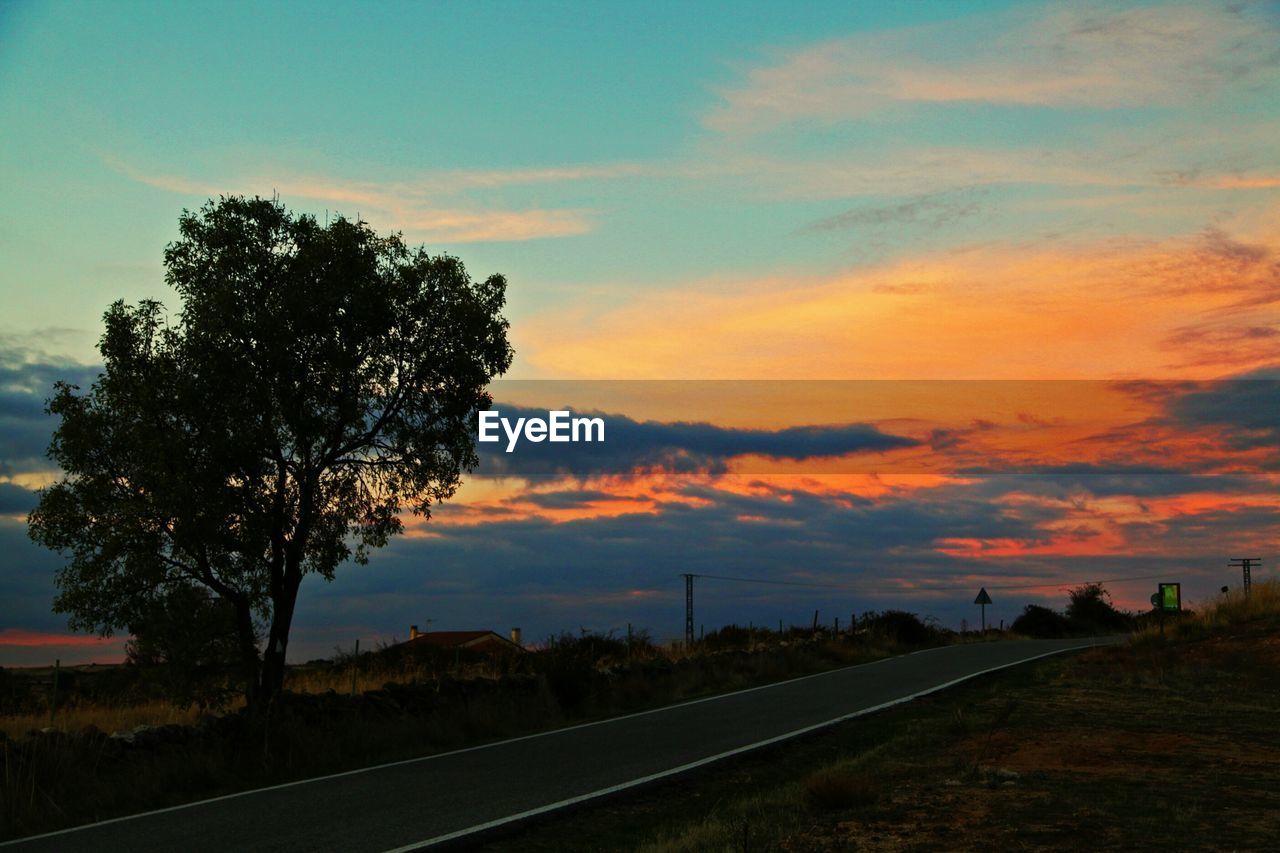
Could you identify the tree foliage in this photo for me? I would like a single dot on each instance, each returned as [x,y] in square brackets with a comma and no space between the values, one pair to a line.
[187,642]
[318,379]
[1090,610]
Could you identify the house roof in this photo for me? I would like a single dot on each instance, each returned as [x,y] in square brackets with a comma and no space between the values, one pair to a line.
[463,639]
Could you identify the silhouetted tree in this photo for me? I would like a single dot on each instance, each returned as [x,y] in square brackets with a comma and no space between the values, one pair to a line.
[318,379]
[1090,609]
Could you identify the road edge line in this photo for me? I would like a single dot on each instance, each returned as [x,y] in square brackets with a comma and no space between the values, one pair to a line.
[421,758]
[603,792]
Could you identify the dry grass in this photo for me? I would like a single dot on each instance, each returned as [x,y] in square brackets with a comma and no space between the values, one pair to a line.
[832,789]
[339,680]
[1235,607]
[121,716]
[105,718]
[1222,611]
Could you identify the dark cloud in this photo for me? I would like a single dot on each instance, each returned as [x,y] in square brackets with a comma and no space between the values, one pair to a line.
[898,550]
[1222,245]
[679,447]
[25,429]
[15,500]
[1218,342]
[1065,482]
[575,498]
[24,433]
[26,581]
[36,379]
[604,572]
[932,210]
[1245,409]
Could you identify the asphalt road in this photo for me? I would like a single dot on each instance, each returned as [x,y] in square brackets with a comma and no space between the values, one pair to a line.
[415,803]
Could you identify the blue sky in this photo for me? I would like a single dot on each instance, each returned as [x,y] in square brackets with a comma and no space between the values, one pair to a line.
[116,115]
[679,190]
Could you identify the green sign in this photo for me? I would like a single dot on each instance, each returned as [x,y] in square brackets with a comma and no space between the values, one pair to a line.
[1170,597]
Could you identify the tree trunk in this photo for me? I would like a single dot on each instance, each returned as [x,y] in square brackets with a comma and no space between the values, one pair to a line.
[272,680]
[248,650]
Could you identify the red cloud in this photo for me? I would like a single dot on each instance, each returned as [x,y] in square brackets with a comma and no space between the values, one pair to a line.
[24,638]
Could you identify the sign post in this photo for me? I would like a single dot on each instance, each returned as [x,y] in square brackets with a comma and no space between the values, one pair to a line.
[983,600]
[1167,599]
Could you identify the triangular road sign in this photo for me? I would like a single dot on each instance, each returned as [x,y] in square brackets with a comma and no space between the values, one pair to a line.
[982,598]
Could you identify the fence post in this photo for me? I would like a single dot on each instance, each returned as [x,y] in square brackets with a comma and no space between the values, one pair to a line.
[355,664]
[53,697]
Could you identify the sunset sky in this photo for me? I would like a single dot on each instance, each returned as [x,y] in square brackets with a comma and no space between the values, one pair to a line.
[1033,249]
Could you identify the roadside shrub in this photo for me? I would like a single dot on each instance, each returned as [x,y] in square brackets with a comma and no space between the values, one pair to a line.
[570,664]
[1041,623]
[898,626]
[589,649]
[728,637]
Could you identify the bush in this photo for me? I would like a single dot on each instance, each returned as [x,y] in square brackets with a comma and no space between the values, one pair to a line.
[1090,611]
[570,663]
[1041,623]
[899,626]
[730,637]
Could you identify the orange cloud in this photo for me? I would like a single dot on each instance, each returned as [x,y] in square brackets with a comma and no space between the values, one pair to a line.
[1107,309]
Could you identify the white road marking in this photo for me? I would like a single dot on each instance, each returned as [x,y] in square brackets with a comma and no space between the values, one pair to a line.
[561,804]
[481,827]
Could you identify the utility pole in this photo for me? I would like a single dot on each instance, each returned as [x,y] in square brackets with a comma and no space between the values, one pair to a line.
[1245,564]
[688,610]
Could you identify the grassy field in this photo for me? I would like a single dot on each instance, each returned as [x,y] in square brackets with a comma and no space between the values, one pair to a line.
[1168,742]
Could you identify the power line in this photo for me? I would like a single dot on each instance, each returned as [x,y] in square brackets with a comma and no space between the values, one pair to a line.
[1060,584]
[763,580]
[861,585]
